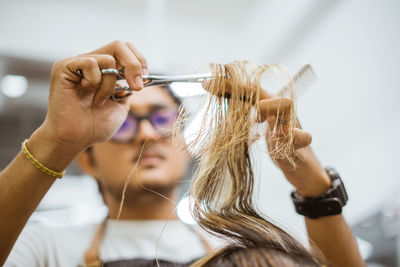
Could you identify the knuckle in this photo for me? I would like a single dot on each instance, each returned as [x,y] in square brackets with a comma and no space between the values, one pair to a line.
[118,43]
[91,62]
[138,55]
[55,67]
[309,138]
[58,65]
[131,45]
[286,102]
[142,60]
[135,66]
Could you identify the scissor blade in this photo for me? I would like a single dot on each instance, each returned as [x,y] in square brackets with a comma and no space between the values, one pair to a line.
[179,78]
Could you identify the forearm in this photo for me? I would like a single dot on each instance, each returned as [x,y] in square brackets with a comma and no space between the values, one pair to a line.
[22,186]
[79,115]
[330,234]
[334,238]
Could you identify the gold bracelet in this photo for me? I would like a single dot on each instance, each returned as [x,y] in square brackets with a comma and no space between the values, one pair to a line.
[39,165]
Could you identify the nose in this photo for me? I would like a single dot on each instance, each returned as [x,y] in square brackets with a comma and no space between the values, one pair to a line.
[146,132]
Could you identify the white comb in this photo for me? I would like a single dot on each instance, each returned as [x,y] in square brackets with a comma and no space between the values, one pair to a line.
[302,81]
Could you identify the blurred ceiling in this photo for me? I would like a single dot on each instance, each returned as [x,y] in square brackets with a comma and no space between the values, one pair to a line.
[174,35]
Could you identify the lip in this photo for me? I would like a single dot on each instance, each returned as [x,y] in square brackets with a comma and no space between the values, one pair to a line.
[149,158]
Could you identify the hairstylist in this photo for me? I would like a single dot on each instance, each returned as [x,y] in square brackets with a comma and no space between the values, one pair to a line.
[81,115]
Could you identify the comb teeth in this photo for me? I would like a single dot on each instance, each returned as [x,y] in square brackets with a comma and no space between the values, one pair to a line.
[302,80]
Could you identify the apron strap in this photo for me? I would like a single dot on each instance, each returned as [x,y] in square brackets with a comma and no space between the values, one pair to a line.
[92,255]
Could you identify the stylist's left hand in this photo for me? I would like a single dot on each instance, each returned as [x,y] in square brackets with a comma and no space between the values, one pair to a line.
[308,177]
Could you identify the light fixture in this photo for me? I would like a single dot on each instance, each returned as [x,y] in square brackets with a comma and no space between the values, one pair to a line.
[14,85]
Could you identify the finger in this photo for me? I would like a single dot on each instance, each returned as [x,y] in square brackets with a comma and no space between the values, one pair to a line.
[278,127]
[301,138]
[271,122]
[107,85]
[265,95]
[140,57]
[90,69]
[127,59]
[121,94]
[91,75]
[225,89]
[280,107]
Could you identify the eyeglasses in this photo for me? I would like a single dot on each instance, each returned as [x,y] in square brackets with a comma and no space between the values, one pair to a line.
[162,120]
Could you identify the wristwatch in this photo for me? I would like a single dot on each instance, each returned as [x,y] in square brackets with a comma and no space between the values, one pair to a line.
[329,203]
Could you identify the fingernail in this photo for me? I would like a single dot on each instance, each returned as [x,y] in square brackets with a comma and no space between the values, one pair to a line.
[145,71]
[139,82]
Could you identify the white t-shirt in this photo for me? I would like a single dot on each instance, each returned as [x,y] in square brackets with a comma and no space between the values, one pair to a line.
[41,245]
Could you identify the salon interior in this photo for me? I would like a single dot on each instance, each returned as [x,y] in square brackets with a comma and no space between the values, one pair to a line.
[349,104]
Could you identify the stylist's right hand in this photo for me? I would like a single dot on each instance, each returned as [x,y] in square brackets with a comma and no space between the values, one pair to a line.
[80,111]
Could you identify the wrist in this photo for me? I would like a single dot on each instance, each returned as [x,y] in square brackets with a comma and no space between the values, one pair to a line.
[309,180]
[50,152]
[328,203]
[318,185]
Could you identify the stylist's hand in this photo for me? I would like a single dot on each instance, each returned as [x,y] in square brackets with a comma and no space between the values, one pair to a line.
[80,111]
[308,177]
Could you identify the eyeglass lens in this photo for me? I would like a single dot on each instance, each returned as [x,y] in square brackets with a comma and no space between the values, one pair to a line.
[162,120]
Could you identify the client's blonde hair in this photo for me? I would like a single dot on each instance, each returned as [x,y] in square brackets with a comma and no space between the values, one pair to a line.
[222,189]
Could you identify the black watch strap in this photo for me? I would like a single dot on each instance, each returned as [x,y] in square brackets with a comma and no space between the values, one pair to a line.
[329,203]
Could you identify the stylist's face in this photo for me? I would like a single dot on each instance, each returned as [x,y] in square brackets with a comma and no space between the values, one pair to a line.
[150,156]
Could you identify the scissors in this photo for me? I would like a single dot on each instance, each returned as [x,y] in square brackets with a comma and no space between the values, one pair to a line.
[150,80]
[303,79]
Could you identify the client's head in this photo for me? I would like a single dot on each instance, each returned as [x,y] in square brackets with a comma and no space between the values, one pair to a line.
[232,256]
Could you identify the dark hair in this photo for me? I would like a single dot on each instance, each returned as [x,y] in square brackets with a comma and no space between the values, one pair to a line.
[233,256]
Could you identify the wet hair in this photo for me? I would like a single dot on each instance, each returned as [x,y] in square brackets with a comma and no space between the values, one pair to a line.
[222,187]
